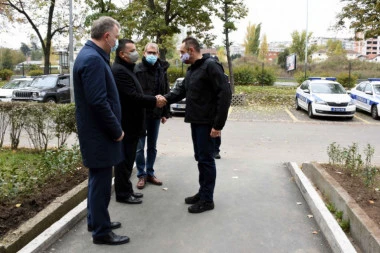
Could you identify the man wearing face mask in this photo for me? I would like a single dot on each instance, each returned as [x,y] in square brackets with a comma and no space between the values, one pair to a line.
[151,73]
[133,104]
[208,97]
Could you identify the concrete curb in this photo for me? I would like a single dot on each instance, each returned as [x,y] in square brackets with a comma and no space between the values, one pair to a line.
[334,235]
[17,239]
[362,229]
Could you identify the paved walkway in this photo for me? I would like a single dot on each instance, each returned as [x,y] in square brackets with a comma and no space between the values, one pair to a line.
[256,201]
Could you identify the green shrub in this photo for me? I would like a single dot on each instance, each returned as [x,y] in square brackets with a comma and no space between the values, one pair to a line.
[36,72]
[244,75]
[6,74]
[174,73]
[299,76]
[346,80]
[264,76]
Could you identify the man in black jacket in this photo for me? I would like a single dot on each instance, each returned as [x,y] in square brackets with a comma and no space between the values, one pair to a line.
[208,98]
[133,104]
[151,73]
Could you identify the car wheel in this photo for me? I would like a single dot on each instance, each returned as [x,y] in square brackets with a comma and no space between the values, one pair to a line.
[50,100]
[310,111]
[374,112]
[297,105]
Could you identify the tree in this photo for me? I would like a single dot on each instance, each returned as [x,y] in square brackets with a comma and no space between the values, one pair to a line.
[252,39]
[24,49]
[281,60]
[335,48]
[362,16]
[7,59]
[50,17]
[299,44]
[159,20]
[231,10]
[263,52]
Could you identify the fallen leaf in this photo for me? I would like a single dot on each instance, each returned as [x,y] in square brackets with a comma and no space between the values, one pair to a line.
[299,203]
[372,202]
[165,189]
[315,232]
[310,216]
[18,205]
[235,177]
[338,172]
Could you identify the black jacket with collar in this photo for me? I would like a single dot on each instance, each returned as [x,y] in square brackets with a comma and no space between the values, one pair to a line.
[208,94]
[154,81]
[132,99]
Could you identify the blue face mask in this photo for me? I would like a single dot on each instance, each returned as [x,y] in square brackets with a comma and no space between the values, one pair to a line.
[151,59]
[185,57]
[113,49]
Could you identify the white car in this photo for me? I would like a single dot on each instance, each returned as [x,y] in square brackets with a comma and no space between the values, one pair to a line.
[324,97]
[7,90]
[179,107]
[366,96]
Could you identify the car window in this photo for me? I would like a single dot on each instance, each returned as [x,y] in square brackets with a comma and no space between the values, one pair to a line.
[368,87]
[16,84]
[328,88]
[376,88]
[304,86]
[44,82]
[361,86]
[64,80]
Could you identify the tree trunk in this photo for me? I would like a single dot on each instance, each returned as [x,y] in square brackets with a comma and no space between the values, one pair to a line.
[229,61]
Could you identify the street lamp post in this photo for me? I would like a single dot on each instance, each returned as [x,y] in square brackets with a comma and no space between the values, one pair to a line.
[306,38]
[71,52]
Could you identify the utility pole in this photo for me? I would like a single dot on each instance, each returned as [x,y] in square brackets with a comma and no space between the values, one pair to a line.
[306,42]
[71,53]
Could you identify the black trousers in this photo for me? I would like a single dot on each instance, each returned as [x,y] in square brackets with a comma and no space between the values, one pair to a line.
[123,171]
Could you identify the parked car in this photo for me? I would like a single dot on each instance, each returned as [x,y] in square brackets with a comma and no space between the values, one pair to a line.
[324,97]
[366,96]
[7,90]
[179,107]
[46,89]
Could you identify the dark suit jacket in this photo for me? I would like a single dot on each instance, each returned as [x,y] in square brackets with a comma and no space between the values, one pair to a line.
[98,111]
[133,101]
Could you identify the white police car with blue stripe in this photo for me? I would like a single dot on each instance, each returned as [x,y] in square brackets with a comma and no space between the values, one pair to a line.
[323,96]
[366,96]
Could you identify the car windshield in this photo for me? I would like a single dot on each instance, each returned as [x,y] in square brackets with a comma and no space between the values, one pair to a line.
[376,88]
[44,82]
[328,88]
[15,84]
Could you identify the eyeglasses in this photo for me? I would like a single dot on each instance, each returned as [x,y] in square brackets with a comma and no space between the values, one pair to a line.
[151,52]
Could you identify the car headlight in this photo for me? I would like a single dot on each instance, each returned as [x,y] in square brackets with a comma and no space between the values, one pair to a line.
[35,95]
[320,102]
[351,102]
[41,94]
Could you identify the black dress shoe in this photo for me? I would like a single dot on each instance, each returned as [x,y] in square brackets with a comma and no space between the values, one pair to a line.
[137,195]
[114,225]
[201,206]
[193,199]
[130,200]
[111,239]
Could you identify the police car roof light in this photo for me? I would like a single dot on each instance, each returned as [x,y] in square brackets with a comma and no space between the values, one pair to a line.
[322,78]
[373,79]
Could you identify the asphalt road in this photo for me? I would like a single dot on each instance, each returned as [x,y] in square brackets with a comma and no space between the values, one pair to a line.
[256,201]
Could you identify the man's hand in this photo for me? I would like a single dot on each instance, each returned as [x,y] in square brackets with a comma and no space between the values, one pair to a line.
[215,133]
[163,120]
[161,101]
[121,137]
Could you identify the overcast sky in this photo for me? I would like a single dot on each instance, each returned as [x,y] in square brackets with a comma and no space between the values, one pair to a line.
[278,18]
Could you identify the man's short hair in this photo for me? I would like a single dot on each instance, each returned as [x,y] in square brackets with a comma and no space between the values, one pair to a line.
[102,25]
[192,42]
[122,43]
[151,44]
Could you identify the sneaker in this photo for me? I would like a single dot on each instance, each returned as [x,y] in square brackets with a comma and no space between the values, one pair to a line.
[201,206]
[141,183]
[193,199]
[217,156]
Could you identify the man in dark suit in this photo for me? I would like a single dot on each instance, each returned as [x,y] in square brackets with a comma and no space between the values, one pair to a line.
[133,104]
[98,115]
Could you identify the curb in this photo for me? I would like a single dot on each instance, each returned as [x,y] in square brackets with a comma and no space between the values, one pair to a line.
[334,235]
[362,228]
[32,228]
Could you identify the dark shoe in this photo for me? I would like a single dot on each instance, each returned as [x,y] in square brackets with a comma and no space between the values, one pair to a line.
[137,195]
[114,225]
[217,156]
[111,239]
[130,200]
[201,206]
[141,183]
[192,200]
[154,180]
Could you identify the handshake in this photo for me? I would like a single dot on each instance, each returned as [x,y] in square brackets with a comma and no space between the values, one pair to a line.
[161,101]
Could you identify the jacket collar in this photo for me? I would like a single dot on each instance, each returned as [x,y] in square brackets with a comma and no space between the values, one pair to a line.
[130,66]
[99,50]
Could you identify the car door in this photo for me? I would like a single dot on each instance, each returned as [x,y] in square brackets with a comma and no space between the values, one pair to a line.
[63,91]
[358,95]
[304,95]
[369,97]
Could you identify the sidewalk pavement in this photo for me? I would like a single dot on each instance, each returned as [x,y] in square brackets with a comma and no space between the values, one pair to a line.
[258,207]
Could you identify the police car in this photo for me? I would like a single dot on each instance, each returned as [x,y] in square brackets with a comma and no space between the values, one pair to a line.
[324,97]
[366,96]
[179,107]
